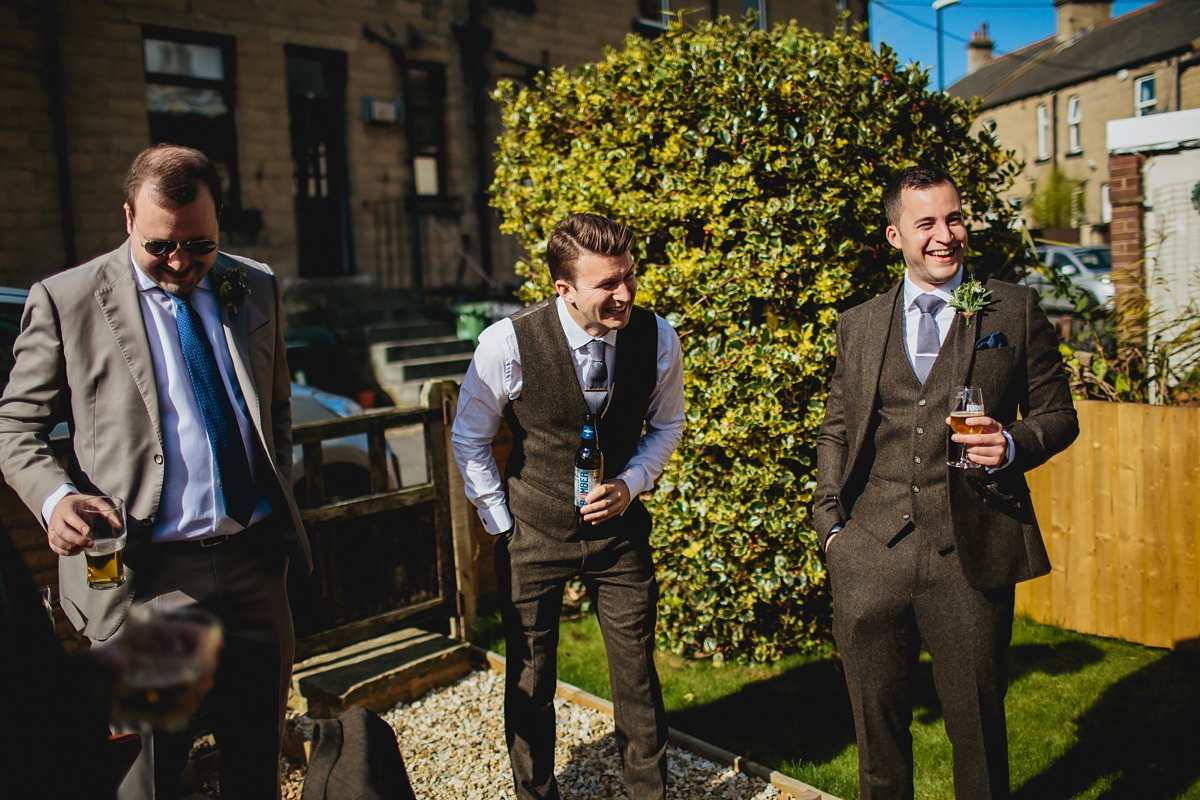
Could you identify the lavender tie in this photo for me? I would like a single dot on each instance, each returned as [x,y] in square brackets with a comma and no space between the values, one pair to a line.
[595,377]
[928,340]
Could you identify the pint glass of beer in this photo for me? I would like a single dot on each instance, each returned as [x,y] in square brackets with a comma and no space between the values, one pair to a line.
[105,518]
[171,660]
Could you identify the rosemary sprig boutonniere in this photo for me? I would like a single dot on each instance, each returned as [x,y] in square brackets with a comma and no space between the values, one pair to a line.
[970,298]
[232,288]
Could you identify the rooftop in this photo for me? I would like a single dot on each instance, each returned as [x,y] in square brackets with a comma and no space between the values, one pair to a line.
[1150,33]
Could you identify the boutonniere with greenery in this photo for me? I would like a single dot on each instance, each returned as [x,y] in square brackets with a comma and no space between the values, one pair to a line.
[232,288]
[970,298]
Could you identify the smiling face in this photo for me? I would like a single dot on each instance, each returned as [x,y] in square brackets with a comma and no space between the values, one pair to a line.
[932,234]
[600,297]
[178,272]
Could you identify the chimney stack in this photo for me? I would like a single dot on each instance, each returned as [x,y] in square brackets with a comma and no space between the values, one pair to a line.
[979,49]
[1076,16]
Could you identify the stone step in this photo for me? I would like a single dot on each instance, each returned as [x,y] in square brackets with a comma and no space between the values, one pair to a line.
[406,350]
[378,673]
[406,330]
[418,370]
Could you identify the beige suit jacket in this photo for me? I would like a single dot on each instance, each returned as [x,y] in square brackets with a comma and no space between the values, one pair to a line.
[83,356]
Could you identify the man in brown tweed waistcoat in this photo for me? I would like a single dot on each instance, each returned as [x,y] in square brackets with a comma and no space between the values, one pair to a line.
[588,349]
[918,551]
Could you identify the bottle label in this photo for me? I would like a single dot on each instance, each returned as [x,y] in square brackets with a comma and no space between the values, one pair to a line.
[585,481]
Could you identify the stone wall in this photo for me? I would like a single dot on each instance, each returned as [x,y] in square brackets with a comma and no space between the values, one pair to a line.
[104,95]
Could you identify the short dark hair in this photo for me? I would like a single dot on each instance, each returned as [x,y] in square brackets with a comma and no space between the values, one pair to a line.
[584,233]
[174,174]
[919,177]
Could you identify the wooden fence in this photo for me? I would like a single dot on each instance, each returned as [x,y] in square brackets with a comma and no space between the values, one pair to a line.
[1120,514]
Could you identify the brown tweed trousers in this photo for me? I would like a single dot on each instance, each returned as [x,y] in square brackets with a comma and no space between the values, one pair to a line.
[928,553]
[546,548]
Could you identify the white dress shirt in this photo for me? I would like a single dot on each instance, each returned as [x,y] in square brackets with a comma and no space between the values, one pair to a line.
[189,507]
[495,378]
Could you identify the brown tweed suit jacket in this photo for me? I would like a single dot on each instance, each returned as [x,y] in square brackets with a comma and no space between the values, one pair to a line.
[1024,388]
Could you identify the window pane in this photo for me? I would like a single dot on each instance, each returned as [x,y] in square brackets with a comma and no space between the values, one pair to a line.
[183,100]
[1146,91]
[191,60]
[425,174]
[1073,109]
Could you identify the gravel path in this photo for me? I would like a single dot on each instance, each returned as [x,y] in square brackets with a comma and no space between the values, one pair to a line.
[453,745]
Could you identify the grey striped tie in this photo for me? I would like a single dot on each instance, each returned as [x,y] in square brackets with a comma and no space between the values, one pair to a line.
[595,377]
[928,340]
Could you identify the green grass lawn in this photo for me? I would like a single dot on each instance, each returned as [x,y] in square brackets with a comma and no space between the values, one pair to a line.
[1087,717]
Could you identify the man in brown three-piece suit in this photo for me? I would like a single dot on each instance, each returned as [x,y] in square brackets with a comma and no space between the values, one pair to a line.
[919,551]
[166,357]
[588,349]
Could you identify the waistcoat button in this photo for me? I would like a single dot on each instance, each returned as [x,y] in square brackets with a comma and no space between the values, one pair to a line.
[920,431]
[916,488]
[921,402]
[917,459]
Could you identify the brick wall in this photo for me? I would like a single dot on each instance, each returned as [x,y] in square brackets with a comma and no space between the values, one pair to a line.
[1103,99]
[1128,238]
[31,240]
[107,123]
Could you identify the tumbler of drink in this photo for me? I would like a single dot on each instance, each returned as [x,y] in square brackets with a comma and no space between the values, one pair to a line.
[170,662]
[966,402]
[105,519]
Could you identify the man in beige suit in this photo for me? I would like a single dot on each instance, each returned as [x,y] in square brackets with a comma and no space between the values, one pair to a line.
[166,358]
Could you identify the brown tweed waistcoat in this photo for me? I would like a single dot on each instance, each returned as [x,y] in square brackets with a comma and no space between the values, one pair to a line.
[547,418]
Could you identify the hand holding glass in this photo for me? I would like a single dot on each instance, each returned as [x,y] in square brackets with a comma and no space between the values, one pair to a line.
[966,402]
[105,520]
[170,663]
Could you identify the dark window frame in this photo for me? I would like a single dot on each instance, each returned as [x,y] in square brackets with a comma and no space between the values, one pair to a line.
[227,87]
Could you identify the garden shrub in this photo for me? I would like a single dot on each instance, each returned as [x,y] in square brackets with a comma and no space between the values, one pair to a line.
[751,164]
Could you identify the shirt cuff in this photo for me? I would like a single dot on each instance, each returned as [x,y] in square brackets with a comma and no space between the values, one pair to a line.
[52,501]
[1008,457]
[636,482]
[496,519]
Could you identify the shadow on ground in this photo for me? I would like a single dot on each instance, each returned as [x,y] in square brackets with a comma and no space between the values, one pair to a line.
[1142,733]
[804,714]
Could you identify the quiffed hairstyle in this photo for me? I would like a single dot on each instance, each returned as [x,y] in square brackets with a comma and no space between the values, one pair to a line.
[920,177]
[584,233]
[174,175]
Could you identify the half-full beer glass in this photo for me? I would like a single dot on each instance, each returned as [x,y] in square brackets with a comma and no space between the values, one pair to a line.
[171,662]
[105,518]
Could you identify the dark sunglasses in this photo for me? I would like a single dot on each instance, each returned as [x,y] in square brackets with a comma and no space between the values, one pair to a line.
[161,247]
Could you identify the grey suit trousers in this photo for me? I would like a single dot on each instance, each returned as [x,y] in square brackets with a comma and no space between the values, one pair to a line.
[245,584]
[887,600]
[532,569]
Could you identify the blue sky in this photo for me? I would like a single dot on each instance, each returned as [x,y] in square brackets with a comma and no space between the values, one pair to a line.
[1012,24]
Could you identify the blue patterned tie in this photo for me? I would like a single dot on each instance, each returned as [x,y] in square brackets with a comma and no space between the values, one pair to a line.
[929,340]
[235,484]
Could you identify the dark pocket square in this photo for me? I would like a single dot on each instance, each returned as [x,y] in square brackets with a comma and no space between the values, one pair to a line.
[992,341]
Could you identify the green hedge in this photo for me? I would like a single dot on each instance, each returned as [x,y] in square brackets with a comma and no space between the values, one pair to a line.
[752,165]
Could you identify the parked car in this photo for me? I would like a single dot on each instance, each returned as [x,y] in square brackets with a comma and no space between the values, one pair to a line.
[347,469]
[1088,268]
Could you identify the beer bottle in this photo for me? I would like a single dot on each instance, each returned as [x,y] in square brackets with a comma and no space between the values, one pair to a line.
[589,465]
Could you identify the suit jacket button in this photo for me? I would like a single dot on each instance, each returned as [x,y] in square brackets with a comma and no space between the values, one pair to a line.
[158,458]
